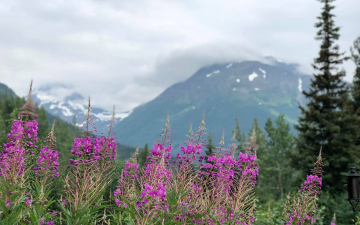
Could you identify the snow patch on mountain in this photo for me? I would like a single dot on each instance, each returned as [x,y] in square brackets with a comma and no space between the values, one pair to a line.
[208,75]
[228,66]
[66,111]
[44,98]
[300,85]
[253,76]
[264,72]
[78,106]
[106,116]
[216,72]
[256,89]
[238,80]
[62,101]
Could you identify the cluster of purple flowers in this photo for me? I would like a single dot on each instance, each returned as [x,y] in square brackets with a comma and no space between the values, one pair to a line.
[47,161]
[131,171]
[312,185]
[47,223]
[226,166]
[12,158]
[128,176]
[158,153]
[155,180]
[303,206]
[300,219]
[231,216]
[153,195]
[157,177]
[101,148]
[190,153]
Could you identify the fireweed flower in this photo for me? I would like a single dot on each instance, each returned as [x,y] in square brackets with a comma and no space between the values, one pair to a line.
[216,187]
[302,208]
[90,173]
[151,200]
[28,202]
[157,171]
[190,153]
[312,185]
[101,148]
[225,177]
[47,162]
[8,203]
[12,158]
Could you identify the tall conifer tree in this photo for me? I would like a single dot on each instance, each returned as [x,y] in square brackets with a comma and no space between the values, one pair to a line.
[211,148]
[276,172]
[328,120]
[143,155]
[261,189]
[240,137]
[355,53]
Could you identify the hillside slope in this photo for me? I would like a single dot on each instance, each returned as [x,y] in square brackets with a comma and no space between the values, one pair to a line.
[248,89]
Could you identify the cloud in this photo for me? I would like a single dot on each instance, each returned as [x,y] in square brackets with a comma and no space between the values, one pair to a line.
[180,64]
[128,52]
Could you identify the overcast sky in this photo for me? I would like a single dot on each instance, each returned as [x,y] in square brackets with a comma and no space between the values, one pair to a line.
[126,52]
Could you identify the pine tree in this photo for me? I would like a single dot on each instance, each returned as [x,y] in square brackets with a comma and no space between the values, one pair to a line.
[355,53]
[260,137]
[143,155]
[260,153]
[239,136]
[276,171]
[328,120]
[210,147]
[44,125]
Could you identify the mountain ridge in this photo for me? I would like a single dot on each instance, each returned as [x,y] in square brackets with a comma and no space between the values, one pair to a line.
[224,91]
[65,103]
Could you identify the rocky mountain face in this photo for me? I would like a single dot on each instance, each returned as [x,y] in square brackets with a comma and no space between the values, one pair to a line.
[61,101]
[248,90]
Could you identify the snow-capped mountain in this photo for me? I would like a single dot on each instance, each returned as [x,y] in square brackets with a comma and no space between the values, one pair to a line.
[61,101]
[247,89]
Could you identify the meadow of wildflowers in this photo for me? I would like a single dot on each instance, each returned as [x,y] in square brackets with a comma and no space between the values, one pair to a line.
[186,188]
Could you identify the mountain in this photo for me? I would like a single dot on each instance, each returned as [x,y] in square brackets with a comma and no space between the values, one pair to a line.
[248,89]
[5,89]
[61,101]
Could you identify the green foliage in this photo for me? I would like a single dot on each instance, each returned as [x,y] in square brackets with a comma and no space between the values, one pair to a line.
[85,187]
[116,168]
[210,146]
[239,136]
[328,120]
[261,150]
[10,214]
[124,152]
[260,137]
[355,89]
[355,52]
[270,213]
[41,205]
[44,124]
[276,171]
[65,140]
[63,131]
[143,155]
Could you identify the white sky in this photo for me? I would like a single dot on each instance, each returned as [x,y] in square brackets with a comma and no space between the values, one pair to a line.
[128,52]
